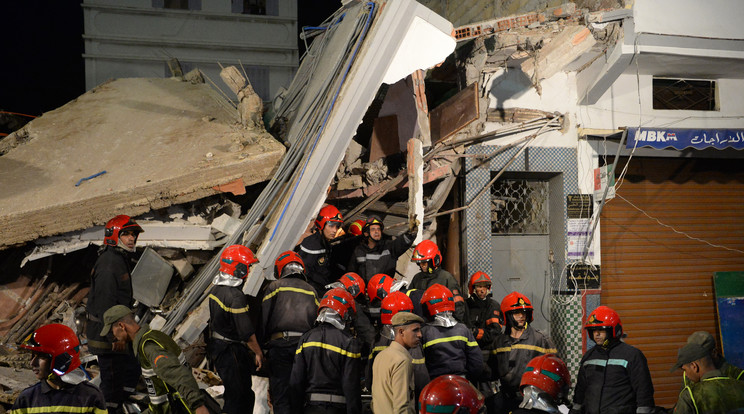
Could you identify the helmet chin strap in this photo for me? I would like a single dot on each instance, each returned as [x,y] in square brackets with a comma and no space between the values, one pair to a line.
[125,247]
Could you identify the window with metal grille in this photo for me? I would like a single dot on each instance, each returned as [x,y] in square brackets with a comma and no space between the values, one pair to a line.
[695,95]
[519,206]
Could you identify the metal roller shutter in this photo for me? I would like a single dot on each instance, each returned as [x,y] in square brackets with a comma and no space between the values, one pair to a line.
[660,281]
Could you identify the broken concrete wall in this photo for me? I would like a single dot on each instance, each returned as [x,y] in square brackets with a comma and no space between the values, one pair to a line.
[143,143]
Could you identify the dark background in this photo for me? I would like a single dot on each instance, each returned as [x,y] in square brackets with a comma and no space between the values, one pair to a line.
[42,66]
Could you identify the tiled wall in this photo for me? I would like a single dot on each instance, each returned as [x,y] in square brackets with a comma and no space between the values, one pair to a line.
[566,309]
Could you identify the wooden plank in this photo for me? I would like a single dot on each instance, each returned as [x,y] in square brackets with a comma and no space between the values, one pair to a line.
[415,167]
[422,107]
[384,140]
[454,114]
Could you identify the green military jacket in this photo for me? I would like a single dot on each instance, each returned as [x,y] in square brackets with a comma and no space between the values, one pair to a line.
[714,393]
[170,384]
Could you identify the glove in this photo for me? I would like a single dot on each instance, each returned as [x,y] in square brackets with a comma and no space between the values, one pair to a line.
[413,225]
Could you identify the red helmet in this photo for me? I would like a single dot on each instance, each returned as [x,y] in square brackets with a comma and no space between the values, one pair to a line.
[235,261]
[60,343]
[353,283]
[371,221]
[605,318]
[451,394]
[326,214]
[393,303]
[378,287]
[427,251]
[116,225]
[549,374]
[286,258]
[478,277]
[356,227]
[437,298]
[339,300]
[513,302]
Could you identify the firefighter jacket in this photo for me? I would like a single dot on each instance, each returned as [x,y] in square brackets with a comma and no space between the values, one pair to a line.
[321,265]
[367,262]
[42,398]
[420,373]
[415,295]
[288,310]
[228,314]
[714,393]
[513,354]
[110,285]
[485,320]
[326,369]
[451,350]
[423,281]
[614,380]
[170,384]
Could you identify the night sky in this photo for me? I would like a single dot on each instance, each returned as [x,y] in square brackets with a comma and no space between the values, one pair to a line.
[42,66]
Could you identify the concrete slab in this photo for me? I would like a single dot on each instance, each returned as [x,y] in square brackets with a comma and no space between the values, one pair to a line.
[160,141]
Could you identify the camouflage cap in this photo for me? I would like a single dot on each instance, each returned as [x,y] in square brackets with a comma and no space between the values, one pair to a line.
[702,338]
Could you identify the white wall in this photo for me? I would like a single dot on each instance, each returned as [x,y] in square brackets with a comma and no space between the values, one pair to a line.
[619,106]
[512,89]
[710,18]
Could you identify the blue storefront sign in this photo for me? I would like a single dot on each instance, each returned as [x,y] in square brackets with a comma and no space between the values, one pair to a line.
[685,138]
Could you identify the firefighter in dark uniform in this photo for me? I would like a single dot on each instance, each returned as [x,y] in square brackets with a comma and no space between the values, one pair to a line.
[111,285]
[449,346]
[393,303]
[613,376]
[170,384]
[485,321]
[363,322]
[544,385]
[321,265]
[326,372]
[376,254]
[233,335]
[288,310]
[429,259]
[56,363]
[450,394]
[513,349]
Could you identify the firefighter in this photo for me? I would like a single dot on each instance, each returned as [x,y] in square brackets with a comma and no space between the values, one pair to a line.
[514,348]
[321,266]
[450,394]
[429,259]
[110,285]
[363,323]
[289,307]
[613,376]
[232,334]
[544,385]
[485,321]
[449,346]
[171,386]
[326,371]
[709,391]
[62,383]
[378,287]
[393,303]
[377,254]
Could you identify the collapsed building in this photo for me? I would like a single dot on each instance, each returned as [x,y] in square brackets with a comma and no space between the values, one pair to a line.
[515,123]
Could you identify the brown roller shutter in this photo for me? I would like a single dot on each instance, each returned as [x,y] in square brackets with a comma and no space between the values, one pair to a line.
[660,281]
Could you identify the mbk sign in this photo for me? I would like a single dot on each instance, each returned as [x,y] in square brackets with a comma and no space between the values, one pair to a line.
[656,136]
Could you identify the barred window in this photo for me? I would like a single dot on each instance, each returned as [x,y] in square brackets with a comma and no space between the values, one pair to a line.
[680,94]
[519,207]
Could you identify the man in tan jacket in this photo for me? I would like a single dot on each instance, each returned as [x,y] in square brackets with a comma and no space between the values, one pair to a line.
[392,372]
